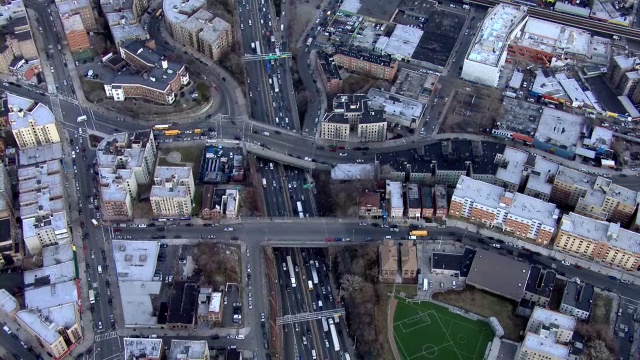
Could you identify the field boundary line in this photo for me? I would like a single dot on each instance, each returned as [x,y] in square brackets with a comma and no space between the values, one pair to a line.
[400,343]
[449,337]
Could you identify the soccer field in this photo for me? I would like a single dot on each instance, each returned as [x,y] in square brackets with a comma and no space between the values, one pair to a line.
[428,331]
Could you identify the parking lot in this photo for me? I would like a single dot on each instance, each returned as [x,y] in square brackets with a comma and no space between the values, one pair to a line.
[232,305]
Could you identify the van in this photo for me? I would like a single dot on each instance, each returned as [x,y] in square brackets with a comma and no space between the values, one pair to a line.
[319,303]
[249,22]
[240,337]
[99,269]
[313,354]
[6,329]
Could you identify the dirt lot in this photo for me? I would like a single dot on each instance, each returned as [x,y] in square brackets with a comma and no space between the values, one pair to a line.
[602,307]
[471,111]
[487,305]
[304,13]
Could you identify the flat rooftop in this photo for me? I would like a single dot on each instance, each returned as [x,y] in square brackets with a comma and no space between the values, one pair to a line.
[188,349]
[23,112]
[601,137]
[394,105]
[56,254]
[546,346]
[50,296]
[513,162]
[353,172]
[65,7]
[56,221]
[573,90]
[7,302]
[113,184]
[548,36]
[559,128]
[540,281]
[601,231]
[142,348]
[48,275]
[548,317]
[38,326]
[538,176]
[168,181]
[177,11]
[379,10]
[491,40]
[499,274]
[72,23]
[529,208]
[394,193]
[38,154]
[135,297]
[135,260]
[480,192]
[402,43]
[65,315]
[123,148]
[578,295]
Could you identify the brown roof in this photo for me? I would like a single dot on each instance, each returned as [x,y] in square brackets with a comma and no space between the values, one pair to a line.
[409,255]
[499,274]
[370,199]
[388,256]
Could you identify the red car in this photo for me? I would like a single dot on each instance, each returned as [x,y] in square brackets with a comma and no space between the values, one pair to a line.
[329,239]
[116,230]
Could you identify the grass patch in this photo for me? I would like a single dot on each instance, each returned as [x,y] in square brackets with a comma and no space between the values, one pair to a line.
[188,154]
[197,201]
[162,161]
[486,305]
[409,291]
[429,331]
[601,309]
[93,90]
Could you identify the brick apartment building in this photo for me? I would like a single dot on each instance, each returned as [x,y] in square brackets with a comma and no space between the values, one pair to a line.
[364,63]
[330,74]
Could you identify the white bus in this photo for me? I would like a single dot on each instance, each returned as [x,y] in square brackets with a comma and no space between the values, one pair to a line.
[334,335]
[82,118]
[300,211]
[325,327]
[314,274]
[292,273]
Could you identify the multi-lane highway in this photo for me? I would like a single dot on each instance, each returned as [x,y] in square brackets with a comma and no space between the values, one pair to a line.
[269,87]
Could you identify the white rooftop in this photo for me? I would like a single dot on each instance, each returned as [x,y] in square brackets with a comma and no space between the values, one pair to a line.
[42,153]
[72,23]
[54,274]
[547,86]
[142,348]
[395,105]
[188,349]
[55,221]
[547,317]
[529,208]
[11,10]
[573,89]
[23,112]
[353,172]
[56,254]
[538,176]
[551,37]
[112,183]
[559,128]
[167,181]
[32,172]
[7,302]
[177,11]
[601,231]
[601,137]
[402,42]
[394,189]
[38,326]
[135,260]
[516,159]
[480,192]
[575,177]
[135,297]
[124,27]
[130,155]
[65,7]
[546,346]
[214,304]
[491,40]
[64,315]
[351,6]
[50,296]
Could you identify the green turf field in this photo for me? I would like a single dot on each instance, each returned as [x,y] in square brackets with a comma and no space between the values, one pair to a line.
[429,331]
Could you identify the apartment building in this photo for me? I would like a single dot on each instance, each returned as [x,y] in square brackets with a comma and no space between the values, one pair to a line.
[78,7]
[427,203]
[560,327]
[520,215]
[118,189]
[593,196]
[77,37]
[160,81]
[396,109]
[57,329]
[409,260]
[440,197]
[330,74]
[366,63]
[394,198]
[353,112]
[414,208]
[540,177]
[172,192]
[133,151]
[604,242]
[370,205]
[18,36]
[190,24]
[388,261]
[124,24]
[210,307]
[143,348]
[9,238]
[539,286]
[32,123]
[335,127]
[511,166]
[541,347]
[189,349]
[618,66]
[577,299]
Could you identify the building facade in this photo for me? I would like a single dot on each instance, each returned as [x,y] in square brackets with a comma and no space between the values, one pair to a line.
[330,73]
[172,192]
[368,64]
[577,299]
[77,37]
[78,7]
[32,124]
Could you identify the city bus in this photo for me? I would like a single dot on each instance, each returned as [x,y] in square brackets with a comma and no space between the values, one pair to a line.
[314,274]
[334,335]
[300,211]
[292,272]
[275,84]
[171,132]
[161,127]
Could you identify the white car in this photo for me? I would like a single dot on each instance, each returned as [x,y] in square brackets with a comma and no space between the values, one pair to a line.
[565,262]
[343,154]
[228,229]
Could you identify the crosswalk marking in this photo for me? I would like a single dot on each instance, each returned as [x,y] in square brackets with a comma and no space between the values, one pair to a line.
[106,336]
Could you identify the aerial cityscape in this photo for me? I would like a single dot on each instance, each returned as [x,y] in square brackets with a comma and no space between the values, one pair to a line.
[466,174]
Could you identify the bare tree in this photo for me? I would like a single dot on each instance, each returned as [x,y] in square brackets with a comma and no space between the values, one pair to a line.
[597,350]
[219,264]
[349,284]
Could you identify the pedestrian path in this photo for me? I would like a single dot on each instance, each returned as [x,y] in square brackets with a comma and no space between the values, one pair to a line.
[106,336]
